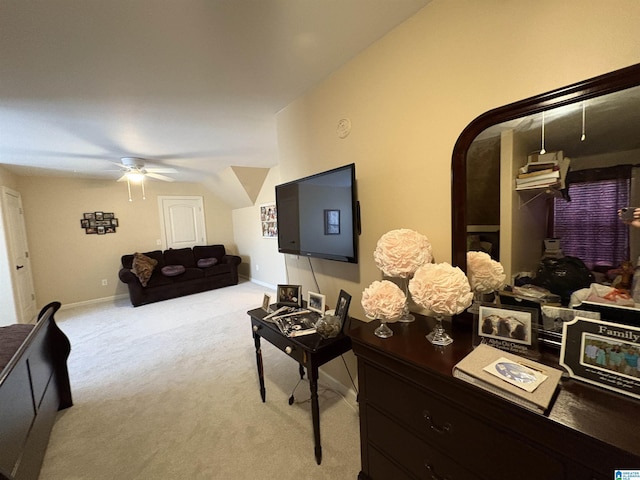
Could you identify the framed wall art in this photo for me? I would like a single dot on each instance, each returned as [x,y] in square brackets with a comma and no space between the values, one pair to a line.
[269,220]
[98,223]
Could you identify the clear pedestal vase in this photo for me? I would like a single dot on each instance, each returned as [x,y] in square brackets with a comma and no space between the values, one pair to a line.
[406,316]
[478,298]
[438,335]
[383,331]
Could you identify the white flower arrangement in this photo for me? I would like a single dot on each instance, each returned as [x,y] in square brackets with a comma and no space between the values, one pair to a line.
[485,274]
[400,252]
[383,300]
[441,288]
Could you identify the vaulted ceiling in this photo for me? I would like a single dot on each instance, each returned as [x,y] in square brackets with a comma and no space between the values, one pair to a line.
[189,85]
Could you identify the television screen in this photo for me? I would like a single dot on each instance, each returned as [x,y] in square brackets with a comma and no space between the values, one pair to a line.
[318,215]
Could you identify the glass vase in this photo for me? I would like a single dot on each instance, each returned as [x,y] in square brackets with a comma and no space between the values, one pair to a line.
[407,316]
[383,331]
[438,335]
[478,297]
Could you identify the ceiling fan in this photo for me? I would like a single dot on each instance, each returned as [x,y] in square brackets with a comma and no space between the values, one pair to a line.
[135,171]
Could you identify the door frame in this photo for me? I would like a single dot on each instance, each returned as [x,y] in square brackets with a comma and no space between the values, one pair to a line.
[7,270]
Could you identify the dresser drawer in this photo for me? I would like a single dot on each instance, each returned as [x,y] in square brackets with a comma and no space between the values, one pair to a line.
[476,445]
[414,455]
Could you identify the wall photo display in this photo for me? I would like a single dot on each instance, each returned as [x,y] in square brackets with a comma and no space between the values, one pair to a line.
[269,220]
[99,223]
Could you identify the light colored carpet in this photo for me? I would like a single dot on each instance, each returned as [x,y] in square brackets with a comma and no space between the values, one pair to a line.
[170,390]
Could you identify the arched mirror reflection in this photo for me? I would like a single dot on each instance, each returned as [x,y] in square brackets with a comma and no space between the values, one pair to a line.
[546,177]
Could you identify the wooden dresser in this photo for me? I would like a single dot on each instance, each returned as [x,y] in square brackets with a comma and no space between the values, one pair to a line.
[418,422]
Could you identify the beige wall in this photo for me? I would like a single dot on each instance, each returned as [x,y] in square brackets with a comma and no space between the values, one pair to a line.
[411,94]
[260,258]
[69,265]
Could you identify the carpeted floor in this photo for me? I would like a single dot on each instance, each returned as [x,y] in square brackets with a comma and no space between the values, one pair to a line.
[170,390]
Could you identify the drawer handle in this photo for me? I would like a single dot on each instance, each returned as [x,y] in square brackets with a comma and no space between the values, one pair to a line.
[433,474]
[446,428]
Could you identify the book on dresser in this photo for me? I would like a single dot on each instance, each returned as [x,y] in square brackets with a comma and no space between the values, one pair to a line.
[514,378]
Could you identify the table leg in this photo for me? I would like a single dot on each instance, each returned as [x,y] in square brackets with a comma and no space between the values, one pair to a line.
[315,411]
[256,341]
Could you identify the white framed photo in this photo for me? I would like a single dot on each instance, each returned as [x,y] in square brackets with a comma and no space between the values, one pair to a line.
[266,301]
[316,302]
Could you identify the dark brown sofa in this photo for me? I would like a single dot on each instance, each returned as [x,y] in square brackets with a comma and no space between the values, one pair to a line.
[194,279]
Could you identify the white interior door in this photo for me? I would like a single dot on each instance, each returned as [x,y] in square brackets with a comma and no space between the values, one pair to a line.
[182,221]
[19,262]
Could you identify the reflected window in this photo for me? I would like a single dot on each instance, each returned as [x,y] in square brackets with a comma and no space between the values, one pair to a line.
[588,225]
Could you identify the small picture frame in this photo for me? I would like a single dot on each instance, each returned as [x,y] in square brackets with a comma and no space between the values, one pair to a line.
[101,230]
[332,222]
[90,216]
[509,328]
[266,301]
[290,296]
[316,302]
[594,351]
[342,310]
[99,216]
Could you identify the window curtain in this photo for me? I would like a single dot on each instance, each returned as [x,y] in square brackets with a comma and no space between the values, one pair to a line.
[588,224]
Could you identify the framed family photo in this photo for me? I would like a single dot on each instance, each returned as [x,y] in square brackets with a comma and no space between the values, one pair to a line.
[290,296]
[602,353]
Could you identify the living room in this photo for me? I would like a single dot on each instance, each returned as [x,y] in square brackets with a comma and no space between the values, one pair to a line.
[408,97]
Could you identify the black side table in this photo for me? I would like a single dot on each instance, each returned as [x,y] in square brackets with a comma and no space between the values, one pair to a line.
[310,351]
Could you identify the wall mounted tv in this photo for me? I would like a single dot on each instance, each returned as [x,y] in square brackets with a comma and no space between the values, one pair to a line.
[318,216]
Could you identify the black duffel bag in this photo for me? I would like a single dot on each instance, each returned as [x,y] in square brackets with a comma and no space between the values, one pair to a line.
[563,276]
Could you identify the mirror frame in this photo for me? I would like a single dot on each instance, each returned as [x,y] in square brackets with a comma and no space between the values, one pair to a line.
[597,86]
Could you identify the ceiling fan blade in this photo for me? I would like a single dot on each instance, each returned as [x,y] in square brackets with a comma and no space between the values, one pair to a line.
[123,178]
[161,169]
[159,177]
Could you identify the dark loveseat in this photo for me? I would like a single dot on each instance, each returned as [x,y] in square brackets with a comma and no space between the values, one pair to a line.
[174,282]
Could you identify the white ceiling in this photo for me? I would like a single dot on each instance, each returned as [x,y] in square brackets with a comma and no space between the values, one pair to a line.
[189,84]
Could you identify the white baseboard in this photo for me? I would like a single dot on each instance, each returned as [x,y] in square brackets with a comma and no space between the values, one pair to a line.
[259,282]
[348,393]
[94,301]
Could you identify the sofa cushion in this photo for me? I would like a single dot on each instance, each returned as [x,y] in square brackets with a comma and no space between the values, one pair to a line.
[142,267]
[207,262]
[127,260]
[209,251]
[172,270]
[179,256]
[218,269]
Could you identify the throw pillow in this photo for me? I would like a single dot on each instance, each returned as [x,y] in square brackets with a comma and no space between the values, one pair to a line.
[143,267]
[172,270]
[207,262]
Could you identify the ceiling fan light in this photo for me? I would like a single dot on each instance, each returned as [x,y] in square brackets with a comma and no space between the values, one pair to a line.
[135,177]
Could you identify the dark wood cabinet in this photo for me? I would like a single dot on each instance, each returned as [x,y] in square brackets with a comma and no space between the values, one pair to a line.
[418,422]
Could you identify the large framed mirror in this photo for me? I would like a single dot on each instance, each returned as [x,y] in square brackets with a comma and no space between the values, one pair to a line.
[595,124]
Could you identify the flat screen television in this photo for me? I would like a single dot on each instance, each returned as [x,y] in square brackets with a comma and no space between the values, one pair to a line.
[318,216]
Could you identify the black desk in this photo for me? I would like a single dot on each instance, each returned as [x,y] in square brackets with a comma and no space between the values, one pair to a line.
[310,351]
